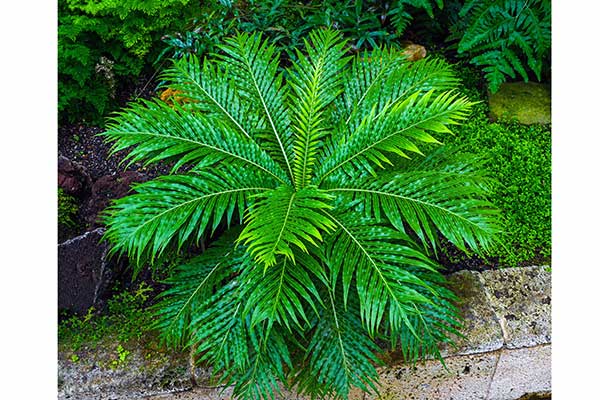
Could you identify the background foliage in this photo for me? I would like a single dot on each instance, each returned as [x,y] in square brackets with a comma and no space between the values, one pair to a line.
[105,44]
[505,38]
[364,23]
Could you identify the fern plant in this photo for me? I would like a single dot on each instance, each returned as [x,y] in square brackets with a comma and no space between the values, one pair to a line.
[505,37]
[330,245]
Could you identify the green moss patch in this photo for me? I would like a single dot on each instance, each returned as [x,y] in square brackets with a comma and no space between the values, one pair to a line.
[519,158]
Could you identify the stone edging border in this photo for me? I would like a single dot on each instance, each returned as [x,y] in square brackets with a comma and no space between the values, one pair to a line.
[505,355]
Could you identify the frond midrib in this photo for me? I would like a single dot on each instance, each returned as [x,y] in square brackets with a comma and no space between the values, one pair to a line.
[410,199]
[283,225]
[449,111]
[145,223]
[218,104]
[198,288]
[339,336]
[201,144]
[264,104]
[303,177]
[376,267]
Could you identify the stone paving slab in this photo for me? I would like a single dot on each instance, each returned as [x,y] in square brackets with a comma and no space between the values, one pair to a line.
[506,354]
[521,372]
[466,378]
[196,394]
[482,331]
[521,298]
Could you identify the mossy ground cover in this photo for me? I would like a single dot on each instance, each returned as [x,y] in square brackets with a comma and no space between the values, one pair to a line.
[519,158]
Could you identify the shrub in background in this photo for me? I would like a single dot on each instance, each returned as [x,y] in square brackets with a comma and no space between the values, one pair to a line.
[103,43]
[333,249]
[286,23]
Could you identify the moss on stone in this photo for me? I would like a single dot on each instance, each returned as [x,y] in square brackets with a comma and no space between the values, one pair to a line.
[526,102]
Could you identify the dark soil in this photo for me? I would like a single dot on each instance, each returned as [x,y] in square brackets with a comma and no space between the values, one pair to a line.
[78,142]
[81,144]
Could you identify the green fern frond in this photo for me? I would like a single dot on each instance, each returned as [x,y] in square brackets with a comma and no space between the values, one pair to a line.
[280,295]
[154,131]
[316,82]
[500,34]
[252,65]
[376,256]
[206,87]
[175,209]
[449,201]
[251,357]
[283,218]
[395,130]
[384,76]
[192,284]
[340,355]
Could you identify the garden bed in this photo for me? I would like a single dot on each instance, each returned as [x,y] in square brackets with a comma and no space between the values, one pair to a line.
[298,141]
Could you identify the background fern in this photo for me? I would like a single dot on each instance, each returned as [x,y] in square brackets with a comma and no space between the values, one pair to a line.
[505,38]
[105,44]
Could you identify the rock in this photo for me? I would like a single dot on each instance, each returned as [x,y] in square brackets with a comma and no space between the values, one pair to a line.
[99,373]
[105,189]
[72,177]
[481,327]
[521,299]
[414,52]
[83,275]
[526,102]
[467,378]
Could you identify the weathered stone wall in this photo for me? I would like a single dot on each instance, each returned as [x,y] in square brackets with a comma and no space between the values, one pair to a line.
[505,355]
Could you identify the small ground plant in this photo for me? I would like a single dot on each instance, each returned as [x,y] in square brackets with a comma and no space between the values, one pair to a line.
[335,213]
[67,209]
[126,319]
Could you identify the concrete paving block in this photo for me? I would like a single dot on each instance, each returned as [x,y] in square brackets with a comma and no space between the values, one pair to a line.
[467,378]
[521,298]
[197,394]
[482,331]
[522,372]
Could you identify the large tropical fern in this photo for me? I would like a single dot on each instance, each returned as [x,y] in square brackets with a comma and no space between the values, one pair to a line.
[336,211]
[505,37]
